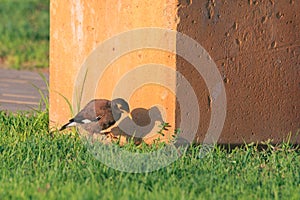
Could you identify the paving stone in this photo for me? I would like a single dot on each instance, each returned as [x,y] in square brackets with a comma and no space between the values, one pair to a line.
[20,90]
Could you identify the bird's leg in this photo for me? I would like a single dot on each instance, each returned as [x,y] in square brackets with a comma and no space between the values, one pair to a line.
[105,132]
[109,134]
[108,130]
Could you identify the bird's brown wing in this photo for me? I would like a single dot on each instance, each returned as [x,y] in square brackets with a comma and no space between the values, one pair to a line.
[104,113]
[107,120]
[93,111]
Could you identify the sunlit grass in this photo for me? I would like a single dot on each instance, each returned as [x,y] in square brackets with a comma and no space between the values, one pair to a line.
[24,33]
[38,164]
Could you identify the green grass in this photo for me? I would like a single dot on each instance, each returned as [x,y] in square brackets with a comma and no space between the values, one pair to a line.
[38,165]
[24,33]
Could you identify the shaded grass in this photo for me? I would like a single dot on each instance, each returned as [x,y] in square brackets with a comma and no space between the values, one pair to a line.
[24,33]
[36,164]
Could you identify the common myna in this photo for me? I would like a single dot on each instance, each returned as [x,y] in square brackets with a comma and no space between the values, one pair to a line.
[99,114]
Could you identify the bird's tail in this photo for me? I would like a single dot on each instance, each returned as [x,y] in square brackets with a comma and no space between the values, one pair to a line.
[64,126]
[69,124]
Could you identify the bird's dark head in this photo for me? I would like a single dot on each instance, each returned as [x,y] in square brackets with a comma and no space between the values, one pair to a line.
[121,104]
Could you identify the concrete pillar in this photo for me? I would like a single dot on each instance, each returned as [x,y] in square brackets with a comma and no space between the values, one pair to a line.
[254,44]
[78,27]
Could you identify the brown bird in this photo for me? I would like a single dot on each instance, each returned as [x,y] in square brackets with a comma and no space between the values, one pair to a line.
[99,114]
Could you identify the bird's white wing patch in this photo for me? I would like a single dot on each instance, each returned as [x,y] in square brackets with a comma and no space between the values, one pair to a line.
[86,121]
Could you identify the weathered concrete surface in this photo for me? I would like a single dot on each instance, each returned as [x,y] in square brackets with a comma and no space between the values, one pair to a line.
[78,27]
[19,90]
[256,46]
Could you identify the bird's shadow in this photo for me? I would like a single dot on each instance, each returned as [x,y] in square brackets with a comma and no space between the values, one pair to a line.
[143,123]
